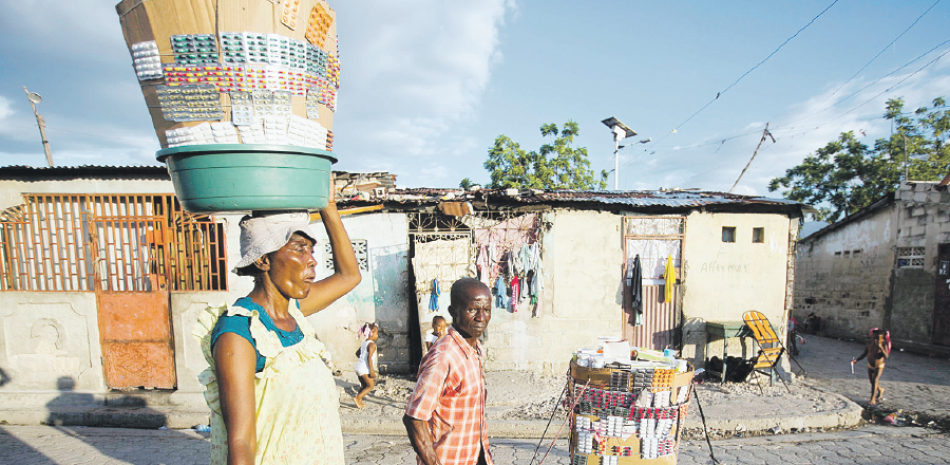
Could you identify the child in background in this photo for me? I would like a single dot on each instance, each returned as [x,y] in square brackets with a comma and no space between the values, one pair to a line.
[877,351]
[439,328]
[367,364]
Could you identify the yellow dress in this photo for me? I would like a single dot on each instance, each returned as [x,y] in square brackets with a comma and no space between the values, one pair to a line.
[297,405]
[669,276]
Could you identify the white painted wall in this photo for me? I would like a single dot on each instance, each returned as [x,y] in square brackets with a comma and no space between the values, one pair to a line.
[582,255]
[725,280]
[45,336]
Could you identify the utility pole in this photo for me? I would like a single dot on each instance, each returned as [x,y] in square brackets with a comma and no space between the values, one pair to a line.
[765,133]
[35,98]
[906,157]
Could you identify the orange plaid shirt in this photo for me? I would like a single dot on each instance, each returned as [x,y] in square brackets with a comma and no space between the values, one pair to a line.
[450,396]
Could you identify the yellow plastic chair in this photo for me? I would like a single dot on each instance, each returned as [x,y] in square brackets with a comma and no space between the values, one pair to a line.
[770,346]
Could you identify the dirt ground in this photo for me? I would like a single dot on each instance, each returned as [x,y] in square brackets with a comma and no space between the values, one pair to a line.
[520,395]
[512,395]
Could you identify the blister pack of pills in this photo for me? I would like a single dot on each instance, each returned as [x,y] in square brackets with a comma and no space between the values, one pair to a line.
[242,110]
[288,13]
[146,60]
[193,102]
[318,25]
[194,49]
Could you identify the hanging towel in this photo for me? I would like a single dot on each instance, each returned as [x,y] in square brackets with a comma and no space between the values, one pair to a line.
[525,288]
[515,293]
[525,256]
[634,277]
[516,266]
[501,293]
[669,275]
[434,296]
[483,263]
[537,278]
[533,285]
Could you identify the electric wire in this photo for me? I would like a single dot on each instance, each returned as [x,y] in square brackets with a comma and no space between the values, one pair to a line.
[893,86]
[839,102]
[788,127]
[719,94]
[886,47]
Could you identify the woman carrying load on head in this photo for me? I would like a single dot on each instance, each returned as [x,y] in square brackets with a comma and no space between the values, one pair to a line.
[272,397]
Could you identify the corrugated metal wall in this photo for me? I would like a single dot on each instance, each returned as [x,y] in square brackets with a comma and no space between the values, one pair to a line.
[660,321]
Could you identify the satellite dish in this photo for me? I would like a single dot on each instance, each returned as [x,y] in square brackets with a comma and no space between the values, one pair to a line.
[34,97]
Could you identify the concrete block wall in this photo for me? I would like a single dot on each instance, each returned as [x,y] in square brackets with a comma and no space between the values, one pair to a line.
[923,221]
[848,292]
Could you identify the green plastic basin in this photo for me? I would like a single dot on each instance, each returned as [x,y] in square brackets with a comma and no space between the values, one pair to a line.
[234,177]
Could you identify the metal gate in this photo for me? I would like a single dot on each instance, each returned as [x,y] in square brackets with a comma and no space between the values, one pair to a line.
[131,250]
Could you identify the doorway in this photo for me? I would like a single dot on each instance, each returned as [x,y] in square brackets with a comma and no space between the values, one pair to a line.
[941,320]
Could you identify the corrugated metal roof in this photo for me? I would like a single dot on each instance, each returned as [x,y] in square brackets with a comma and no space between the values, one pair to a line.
[655,198]
[86,171]
[661,198]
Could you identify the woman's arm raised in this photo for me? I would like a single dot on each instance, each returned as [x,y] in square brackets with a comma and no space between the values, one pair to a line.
[347,270]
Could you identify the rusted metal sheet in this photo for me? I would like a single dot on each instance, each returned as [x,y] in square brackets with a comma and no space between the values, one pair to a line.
[660,328]
[135,333]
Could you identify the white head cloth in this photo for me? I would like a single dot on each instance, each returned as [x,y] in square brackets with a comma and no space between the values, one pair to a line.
[261,235]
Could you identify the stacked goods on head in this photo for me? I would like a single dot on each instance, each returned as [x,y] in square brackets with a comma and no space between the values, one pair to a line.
[233,78]
[629,411]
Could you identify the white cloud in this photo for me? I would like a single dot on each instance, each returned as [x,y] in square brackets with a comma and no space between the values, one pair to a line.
[6,110]
[16,125]
[799,131]
[414,74]
[74,29]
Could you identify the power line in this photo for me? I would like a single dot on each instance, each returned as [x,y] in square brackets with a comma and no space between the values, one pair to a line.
[839,102]
[891,87]
[886,47]
[719,94]
[790,127]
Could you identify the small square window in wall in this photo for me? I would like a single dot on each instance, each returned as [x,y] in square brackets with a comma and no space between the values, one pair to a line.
[837,254]
[910,257]
[728,234]
[847,254]
[360,249]
[758,235]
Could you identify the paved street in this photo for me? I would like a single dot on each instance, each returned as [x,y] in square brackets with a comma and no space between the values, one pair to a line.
[914,383]
[40,445]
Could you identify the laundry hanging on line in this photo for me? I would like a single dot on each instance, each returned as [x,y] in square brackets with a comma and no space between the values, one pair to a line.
[634,278]
[434,296]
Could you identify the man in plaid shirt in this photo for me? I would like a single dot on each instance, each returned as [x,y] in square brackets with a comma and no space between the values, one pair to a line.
[445,416]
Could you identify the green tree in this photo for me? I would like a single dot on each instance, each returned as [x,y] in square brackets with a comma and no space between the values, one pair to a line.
[465,183]
[845,175]
[556,165]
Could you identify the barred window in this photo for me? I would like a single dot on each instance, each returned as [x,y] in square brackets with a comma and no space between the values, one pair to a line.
[360,248]
[910,257]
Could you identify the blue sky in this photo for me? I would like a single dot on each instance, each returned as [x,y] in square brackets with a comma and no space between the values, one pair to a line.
[428,84]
